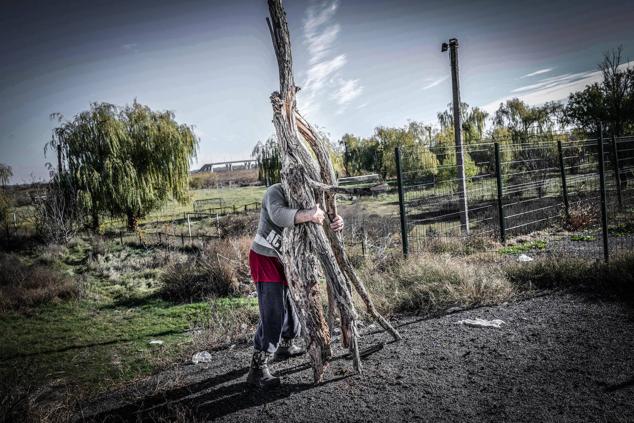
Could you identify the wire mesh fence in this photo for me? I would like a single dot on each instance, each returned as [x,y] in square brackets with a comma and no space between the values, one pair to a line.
[552,185]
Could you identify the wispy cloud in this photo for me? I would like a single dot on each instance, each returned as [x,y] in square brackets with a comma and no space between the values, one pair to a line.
[320,34]
[554,88]
[130,47]
[555,81]
[348,91]
[431,82]
[537,72]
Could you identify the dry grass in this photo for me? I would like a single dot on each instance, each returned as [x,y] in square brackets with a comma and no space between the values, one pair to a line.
[582,216]
[24,286]
[226,323]
[429,283]
[221,269]
[33,402]
[615,279]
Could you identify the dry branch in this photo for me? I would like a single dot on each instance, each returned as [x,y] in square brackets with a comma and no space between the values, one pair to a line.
[306,183]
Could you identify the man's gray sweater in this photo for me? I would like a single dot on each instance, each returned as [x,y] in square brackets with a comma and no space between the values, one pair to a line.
[274,217]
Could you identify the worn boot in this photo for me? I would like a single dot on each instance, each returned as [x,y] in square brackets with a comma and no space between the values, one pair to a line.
[287,349]
[259,374]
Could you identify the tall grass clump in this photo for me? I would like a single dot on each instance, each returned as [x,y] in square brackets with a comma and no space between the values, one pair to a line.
[613,279]
[24,286]
[426,284]
[219,269]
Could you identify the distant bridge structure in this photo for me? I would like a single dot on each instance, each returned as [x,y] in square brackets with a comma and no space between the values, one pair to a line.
[228,166]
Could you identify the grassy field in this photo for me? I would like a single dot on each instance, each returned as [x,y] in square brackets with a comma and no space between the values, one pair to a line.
[116,324]
[103,337]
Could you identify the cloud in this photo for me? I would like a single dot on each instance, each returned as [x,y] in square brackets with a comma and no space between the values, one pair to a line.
[555,88]
[434,82]
[130,47]
[319,43]
[555,81]
[323,74]
[537,72]
[348,91]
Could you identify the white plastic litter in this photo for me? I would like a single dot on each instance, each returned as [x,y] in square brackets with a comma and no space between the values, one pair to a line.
[156,342]
[524,257]
[481,323]
[201,357]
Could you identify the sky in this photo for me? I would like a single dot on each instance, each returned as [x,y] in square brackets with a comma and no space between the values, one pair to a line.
[360,63]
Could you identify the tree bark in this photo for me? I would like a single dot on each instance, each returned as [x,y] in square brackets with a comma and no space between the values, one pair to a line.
[95,220]
[307,182]
[133,221]
[336,240]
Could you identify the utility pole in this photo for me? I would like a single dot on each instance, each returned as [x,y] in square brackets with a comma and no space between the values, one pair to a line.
[457,125]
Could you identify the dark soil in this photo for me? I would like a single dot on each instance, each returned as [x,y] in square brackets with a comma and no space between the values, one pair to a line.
[559,358]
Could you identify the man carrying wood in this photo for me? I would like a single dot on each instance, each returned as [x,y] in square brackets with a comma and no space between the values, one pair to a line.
[279,323]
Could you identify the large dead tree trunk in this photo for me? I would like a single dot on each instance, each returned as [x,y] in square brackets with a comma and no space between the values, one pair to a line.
[306,183]
[336,240]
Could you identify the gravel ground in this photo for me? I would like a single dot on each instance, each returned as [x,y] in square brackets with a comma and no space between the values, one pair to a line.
[559,357]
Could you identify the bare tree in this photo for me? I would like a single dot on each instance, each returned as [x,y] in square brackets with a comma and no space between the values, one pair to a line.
[306,183]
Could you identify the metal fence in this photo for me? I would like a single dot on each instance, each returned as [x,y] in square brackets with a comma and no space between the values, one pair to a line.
[551,184]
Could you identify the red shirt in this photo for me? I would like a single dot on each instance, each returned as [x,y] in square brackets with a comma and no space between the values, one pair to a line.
[266,269]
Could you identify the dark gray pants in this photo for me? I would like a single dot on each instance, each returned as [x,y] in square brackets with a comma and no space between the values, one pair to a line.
[278,318]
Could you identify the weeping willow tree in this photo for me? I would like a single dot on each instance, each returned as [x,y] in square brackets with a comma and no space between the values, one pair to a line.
[269,161]
[126,161]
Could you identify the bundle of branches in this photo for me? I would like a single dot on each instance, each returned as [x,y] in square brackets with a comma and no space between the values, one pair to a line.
[309,179]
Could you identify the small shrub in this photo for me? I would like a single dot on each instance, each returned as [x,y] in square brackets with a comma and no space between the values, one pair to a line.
[581,216]
[23,286]
[57,215]
[220,269]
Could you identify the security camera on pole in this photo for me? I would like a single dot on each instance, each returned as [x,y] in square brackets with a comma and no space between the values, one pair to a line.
[457,125]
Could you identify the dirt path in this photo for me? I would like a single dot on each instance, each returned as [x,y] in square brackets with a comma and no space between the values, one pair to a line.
[559,358]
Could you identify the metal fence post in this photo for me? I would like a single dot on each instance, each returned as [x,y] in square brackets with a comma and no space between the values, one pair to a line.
[564,184]
[617,171]
[401,201]
[498,177]
[604,214]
